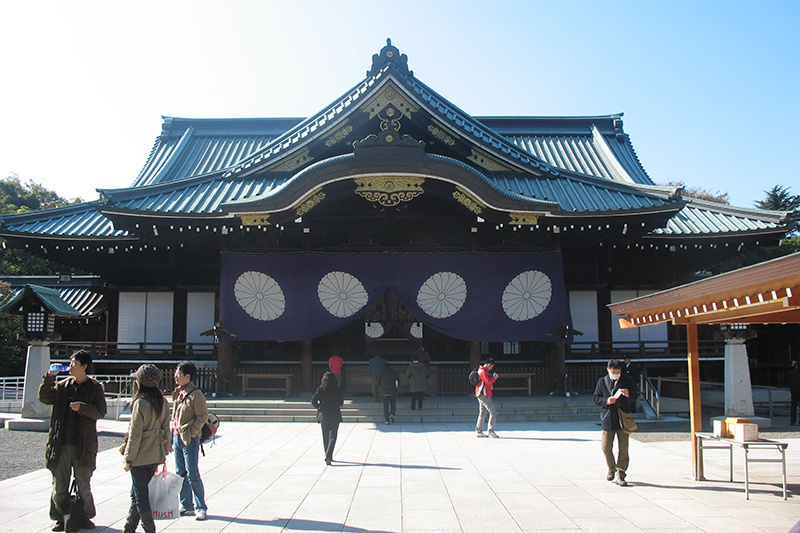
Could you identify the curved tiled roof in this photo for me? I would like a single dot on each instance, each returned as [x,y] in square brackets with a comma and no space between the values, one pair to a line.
[74,221]
[704,218]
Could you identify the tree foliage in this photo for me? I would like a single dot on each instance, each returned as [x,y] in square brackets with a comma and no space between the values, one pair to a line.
[780,199]
[17,197]
[12,350]
[702,194]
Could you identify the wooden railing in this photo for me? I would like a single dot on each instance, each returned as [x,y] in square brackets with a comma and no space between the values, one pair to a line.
[641,350]
[123,351]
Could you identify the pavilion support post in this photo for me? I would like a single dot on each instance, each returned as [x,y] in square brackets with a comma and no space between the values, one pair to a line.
[474,354]
[306,357]
[695,414]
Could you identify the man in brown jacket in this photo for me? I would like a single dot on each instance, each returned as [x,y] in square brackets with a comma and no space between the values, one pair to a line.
[189,417]
[78,402]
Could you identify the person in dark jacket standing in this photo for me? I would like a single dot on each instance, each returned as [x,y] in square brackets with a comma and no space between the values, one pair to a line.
[613,392]
[78,402]
[417,373]
[376,365]
[794,390]
[387,381]
[328,400]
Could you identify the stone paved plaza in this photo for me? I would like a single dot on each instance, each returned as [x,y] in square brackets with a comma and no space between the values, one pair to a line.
[538,476]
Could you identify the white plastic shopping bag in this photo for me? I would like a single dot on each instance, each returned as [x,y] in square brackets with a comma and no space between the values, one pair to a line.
[165,491]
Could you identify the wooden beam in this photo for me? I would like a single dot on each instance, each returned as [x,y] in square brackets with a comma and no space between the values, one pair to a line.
[695,413]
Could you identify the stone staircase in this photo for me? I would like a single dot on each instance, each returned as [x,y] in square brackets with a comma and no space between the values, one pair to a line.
[437,409]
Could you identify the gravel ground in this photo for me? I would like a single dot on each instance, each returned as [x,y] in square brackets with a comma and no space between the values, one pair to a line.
[23,451]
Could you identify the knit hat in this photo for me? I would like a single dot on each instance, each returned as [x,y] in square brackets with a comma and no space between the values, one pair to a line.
[147,376]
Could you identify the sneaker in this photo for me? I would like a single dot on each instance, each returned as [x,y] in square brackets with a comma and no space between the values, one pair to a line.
[481,434]
[87,524]
[187,512]
[621,482]
[610,475]
[200,514]
[58,525]
[494,435]
[387,422]
[391,419]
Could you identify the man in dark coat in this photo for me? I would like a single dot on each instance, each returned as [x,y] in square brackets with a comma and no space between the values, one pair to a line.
[794,389]
[78,402]
[613,392]
[388,380]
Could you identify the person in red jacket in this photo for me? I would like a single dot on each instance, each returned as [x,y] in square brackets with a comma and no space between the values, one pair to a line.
[483,392]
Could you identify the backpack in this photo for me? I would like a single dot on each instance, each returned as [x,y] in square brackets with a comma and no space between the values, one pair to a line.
[209,431]
[474,378]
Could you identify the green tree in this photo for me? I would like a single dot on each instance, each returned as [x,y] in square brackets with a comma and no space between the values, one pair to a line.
[12,350]
[780,199]
[17,197]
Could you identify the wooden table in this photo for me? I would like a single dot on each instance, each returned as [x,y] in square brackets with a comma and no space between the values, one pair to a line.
[247,377]
[723,443]
[528,377]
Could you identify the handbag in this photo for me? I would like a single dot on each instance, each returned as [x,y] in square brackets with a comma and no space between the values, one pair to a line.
[626,422]
[165,490]
[74,517]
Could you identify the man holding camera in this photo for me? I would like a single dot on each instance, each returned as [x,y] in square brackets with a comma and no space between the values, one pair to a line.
[78,403]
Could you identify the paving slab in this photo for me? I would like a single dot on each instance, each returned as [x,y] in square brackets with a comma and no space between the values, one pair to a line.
[538,476]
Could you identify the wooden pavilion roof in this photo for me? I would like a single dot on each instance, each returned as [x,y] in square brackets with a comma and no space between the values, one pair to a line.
[766,293]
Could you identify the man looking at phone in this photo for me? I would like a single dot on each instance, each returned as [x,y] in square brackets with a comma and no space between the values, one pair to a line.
[78,402]
[614,392]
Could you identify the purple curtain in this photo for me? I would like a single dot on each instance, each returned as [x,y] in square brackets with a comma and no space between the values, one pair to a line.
[487,297]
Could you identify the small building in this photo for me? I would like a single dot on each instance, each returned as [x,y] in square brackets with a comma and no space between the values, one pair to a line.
[389,220]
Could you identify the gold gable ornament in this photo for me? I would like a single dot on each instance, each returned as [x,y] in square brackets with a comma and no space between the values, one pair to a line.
[310,201]
[468,201]
[389,191]
[525,219]
[255,219]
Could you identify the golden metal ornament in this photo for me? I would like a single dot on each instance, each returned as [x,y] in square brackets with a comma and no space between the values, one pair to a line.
[310,201]
[255,219]
[390,95]
[389,191]
[469,201]
[525,219]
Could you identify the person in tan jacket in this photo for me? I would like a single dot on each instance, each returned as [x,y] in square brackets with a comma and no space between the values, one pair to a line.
[146,445]
[189,416]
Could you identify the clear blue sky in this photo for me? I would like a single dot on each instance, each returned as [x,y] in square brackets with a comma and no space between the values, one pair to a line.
[710,89]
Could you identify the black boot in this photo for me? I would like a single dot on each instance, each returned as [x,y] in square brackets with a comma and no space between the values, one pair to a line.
[148,524]
[132,521]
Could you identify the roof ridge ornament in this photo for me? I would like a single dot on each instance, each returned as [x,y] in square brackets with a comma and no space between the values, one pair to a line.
[389,54]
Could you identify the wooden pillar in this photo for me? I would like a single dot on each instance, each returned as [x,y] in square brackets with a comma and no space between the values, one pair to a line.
[474,354]
[306,374]
[225,375]
[695,414]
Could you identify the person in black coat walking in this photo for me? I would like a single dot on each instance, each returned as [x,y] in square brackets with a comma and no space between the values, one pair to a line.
[387,381]
[328,400]
[614,392]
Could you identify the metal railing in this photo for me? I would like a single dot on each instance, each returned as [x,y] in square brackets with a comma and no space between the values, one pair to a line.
[649,393]
[11,388]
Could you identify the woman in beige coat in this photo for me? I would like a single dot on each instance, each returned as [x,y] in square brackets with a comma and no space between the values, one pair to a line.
[147,444]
